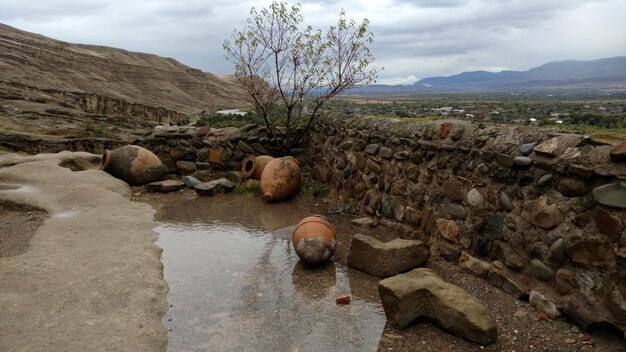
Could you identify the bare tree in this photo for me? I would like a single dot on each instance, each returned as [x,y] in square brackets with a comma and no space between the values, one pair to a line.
[290,70]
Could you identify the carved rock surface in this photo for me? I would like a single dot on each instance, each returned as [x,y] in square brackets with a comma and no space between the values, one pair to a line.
[421,293]
[386,258]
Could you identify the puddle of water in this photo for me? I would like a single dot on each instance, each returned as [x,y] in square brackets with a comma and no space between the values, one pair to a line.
[66,214]
[236,285]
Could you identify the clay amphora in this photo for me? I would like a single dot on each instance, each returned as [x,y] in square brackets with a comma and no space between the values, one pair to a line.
[133,164]
[253,166]
[314,240]
[280,179]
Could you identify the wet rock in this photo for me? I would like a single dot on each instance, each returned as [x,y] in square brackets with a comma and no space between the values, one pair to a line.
[506,202]
[607,224]
[448,229]
[474,197]
[612,194]
[523,161]
[421,293]
[527,148]
[526,180]
[572,188]
[540,270]
[165,186]
[385,153]
[212,188]
[190,181]
[545,180]
[557,251]
[386,258]
[539,213]
[542,304]
[548,148]
[481,245]
[565,283]
[593,252]
[618,152]
[453,189]
[457,210]
[473,265]
[372,149]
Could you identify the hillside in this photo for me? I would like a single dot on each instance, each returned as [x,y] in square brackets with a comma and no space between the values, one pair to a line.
[53,88]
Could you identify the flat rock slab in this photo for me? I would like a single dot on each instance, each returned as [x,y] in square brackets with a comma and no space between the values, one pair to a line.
[214,187]
[165,186]
[421,293]
[91,278]
[386,258]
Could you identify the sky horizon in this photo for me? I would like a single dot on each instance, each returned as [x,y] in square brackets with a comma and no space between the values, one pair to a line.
[412,39]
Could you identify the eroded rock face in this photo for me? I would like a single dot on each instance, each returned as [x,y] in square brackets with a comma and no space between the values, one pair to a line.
[421,293]
[386,258]
[539,213]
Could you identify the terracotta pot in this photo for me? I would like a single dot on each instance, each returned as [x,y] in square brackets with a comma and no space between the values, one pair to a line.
[133,164]
[314,240]
[280,179]
[253,166]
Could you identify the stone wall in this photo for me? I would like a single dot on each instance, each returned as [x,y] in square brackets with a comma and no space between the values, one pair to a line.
[526,206]
[526,209]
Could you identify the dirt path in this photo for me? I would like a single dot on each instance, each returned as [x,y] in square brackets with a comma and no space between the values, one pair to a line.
[91,278]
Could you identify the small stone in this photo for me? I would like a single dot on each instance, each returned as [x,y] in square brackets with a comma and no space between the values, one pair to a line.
[457,210]
[172,142]
[512,258]
[514,288]
[506,202]
[572,188]
[526,180]
[495,278]
[542,304]
[474,197]
[211,188]
[511,226]
[557,252]
[345,145]
[184,143]
[457,132]
[473,265]
[612,194]
[373,166]
[366,222]
[540,270]
[178,152]
[481,246]
[539,213]
[372,149]
[565,283]
[548,148]
[403,155]
[448,229]
[607,224]
[190,181]
[453,189]
[520,313]
[527,148]
[545,180]
[504,159]
[386,153]
[344,299]
[450,252]
[186,167]
[412,215]
[386,258]
[523,161]
[569,341]
[618,152]
[165,186]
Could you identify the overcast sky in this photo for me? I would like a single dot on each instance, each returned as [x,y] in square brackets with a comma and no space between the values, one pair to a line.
[413,39]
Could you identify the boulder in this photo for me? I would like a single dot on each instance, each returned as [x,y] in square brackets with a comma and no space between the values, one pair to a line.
[421,293]
[386,258]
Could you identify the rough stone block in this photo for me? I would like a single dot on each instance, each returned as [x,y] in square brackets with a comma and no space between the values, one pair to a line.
[386,258]
[214,187]
[473,265]
[421,293]
[542,304]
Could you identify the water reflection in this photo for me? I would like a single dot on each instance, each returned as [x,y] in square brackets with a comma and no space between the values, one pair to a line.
[241,287]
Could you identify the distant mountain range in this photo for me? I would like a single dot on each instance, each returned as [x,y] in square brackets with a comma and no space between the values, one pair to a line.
[608,73]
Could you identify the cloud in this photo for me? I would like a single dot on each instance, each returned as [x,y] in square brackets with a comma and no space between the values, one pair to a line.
[413,39]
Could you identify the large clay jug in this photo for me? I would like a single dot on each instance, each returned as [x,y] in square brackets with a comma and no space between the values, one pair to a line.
[314,240]
[280,179]
[133,164]
[253,166]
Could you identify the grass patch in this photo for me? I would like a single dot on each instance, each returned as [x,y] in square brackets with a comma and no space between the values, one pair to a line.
[248,187]
[314,190]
